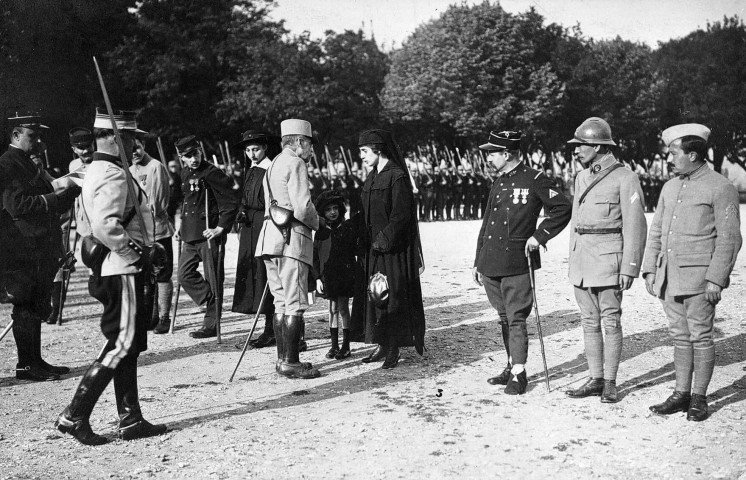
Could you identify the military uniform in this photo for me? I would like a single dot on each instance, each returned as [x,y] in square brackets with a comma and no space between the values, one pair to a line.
[694,240]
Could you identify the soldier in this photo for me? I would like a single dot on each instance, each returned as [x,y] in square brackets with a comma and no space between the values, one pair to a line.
[120,281]
[607,239]
[202,179]
[154,179]
[508,235]
[30,239]
[694,241]
[287,249]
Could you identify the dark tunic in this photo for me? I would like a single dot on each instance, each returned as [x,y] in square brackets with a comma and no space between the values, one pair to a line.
[334,260]
[391,245]
[251,273]
[222,200]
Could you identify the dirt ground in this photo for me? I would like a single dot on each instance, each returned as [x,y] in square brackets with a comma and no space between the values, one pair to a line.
[431,417]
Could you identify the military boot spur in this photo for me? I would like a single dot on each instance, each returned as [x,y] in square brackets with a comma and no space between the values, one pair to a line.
[503,378]
[592,388]
[678,402]
[80,429]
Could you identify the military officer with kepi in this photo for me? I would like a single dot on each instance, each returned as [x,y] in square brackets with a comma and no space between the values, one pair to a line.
[508,236]
[607,239]
[202,179]
[692,248]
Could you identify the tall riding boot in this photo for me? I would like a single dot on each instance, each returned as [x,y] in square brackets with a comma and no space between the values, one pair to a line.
[392,354]
[292,367]
[27,333]
[57,370]
[302,345]
[165,293]
[503,377]
[132,425]
[56,293]
[344,352]
[267,338]
[278,321]
[75,419]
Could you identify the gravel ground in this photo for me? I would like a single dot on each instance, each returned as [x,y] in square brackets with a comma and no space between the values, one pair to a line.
[433,416]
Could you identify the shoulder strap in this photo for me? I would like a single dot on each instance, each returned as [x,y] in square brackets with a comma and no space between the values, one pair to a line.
[272,200]
[595,182]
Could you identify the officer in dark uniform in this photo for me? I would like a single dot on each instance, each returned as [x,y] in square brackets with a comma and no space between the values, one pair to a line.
[30,243]
[508,235]
[200,178]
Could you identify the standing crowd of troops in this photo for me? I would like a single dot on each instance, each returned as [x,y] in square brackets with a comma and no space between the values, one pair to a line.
[351,234]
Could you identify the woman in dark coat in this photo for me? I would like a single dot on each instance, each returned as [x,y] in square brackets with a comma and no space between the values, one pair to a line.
[251,274]
[391,246]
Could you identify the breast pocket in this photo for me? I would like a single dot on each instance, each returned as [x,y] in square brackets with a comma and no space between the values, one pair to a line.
[606,204]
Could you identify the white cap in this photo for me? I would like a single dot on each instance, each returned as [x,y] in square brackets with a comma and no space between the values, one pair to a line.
[294,126]
[684,130]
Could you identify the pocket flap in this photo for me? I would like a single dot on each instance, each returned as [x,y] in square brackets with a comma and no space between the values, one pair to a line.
[694,259]
[612,246]
[611,197]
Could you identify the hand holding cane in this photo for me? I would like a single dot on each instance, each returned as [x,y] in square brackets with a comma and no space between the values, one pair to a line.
[538,319]
[248,339]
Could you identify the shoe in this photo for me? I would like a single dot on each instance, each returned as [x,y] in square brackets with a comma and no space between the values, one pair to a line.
[503,378]
[204,333]
[677,402]
[392,358]
[592,388]
[79,429]
[377,355]
[517,384]
[57,370]
[140,429]
[332,353]
[343,353]
[164,325]
[302,370]
[263,340]
[35,374]
[609,394]
[697,408]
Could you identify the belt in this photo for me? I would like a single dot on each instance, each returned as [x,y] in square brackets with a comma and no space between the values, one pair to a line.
[597,231]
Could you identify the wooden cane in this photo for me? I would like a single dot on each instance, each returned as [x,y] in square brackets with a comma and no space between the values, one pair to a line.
[248,339]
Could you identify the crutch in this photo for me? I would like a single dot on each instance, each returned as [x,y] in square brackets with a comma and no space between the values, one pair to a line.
[178,290]
[256,319]
[538,319]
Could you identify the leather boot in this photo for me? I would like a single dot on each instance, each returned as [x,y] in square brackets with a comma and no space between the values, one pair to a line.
[334,350]
[55,369]
[75,419]
[517,384]
[132,425]
[698,409]
[302,345]
[503,378]
[609,394]
[376,355]
[392,355]
[27,333]
[678,402]
[344,352]
[291,366]
[165,294]
[56,293]
[267,338]
[592,388]
[164,325]
[278,321]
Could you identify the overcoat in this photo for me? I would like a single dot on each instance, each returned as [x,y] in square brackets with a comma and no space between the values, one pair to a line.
[251,273]
[390,242]
[695,235]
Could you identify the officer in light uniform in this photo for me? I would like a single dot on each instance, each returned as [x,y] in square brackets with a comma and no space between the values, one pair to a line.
[508,236]
[607,239]
[692,248]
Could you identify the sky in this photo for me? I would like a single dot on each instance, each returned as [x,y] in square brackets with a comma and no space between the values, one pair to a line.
[392,21]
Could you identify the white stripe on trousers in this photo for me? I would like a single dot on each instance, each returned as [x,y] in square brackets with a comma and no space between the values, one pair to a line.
[127,315]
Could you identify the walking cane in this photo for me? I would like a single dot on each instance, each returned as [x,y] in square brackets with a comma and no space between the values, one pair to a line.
[538,320]
[212,277]
[178,290]
[10,325]
[256,319]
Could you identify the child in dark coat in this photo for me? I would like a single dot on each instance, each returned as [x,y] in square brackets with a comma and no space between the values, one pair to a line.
[334,267]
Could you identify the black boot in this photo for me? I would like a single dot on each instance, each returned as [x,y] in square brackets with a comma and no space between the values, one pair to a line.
[75,419]
[267,338]
[335,343]
[164,325]
[376,355]
[392,355]
[517,384]
[132,425]
[278,322]
[27,333]
[55,369]
[503,378]
[698,409]
[56,294]
[609,393]
[302,345]
[592,388]
[291,366]
[344,352]
[678,402]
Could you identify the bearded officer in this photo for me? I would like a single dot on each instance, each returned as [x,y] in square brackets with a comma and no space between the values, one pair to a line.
[607,239]
[508,235]
[30,240]
[288,253]
[119,282]
[692,248]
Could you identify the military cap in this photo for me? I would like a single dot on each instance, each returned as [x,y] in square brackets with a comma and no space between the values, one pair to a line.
[505,140]
[294,126]
[25,120]
[80,137]
[684,130]
[186,145]
[256,137]
[124,119]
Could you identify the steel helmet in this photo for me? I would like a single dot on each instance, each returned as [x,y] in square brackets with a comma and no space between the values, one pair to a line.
[593,131]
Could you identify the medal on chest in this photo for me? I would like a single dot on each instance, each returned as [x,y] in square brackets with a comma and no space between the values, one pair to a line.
[520,195]
[194,185]
[143,180]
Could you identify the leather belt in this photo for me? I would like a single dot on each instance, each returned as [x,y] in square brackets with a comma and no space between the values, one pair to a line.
[597,231]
